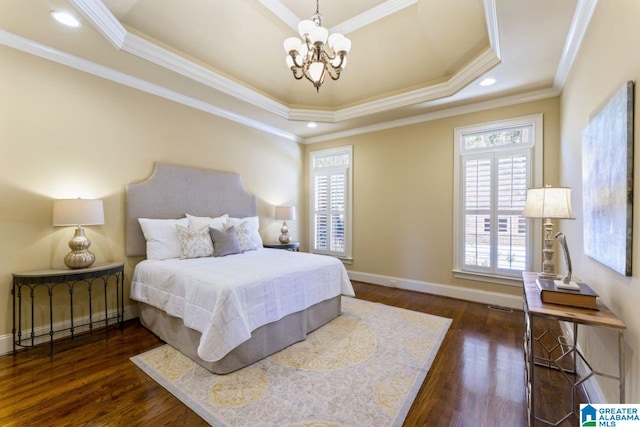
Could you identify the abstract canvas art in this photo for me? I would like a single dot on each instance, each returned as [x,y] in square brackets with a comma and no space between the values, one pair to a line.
[607,174]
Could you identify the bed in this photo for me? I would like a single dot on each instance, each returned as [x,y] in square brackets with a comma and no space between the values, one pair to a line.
[223,312]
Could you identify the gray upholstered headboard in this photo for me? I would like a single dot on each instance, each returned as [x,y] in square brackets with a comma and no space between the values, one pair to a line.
[172,191]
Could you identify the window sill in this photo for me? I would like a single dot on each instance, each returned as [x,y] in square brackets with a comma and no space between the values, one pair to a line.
[345,260]
[491,278]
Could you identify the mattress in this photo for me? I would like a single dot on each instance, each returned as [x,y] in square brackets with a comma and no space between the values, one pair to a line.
[225,299]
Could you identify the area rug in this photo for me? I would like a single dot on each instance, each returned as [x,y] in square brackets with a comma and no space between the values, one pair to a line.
[363,368]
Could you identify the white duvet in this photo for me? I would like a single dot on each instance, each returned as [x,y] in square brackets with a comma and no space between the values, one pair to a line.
[227,298]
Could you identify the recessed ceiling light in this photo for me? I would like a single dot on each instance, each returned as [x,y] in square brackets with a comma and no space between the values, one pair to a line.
[312,125]
[488,81]
[65,18]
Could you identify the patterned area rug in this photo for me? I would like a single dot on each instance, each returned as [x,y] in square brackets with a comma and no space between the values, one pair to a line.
[363,368]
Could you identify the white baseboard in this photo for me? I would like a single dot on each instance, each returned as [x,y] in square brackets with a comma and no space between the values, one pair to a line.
[6,341]
[473,295]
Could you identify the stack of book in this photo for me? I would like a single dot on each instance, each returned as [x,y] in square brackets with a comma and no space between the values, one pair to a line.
[551,294]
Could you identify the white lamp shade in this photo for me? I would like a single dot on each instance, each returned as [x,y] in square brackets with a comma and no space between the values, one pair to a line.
[316,70]
[319,34]
[286,213]
[548,202]
[292,43]
[305,27]
[74,212]
[333,38]
[342,44]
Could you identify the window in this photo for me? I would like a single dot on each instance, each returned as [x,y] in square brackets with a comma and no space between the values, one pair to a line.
[330,191]
[495,164]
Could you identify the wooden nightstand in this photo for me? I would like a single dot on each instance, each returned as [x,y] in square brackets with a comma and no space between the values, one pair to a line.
[107,280]
[291,246]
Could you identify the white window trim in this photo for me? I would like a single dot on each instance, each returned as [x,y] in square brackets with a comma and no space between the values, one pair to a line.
[535,227]
[347,258]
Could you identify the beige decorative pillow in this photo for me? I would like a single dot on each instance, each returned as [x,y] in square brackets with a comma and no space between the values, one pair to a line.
[244,237]
[195,242]
[254,227]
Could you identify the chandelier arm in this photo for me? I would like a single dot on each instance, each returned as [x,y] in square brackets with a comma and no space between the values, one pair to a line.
[333,72]
[294,54]
[342,56]
[297,73]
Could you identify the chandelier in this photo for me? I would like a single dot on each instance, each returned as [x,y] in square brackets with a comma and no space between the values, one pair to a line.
[310,57]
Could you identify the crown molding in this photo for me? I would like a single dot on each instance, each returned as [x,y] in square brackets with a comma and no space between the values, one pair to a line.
[158,55]
[102,18]
[95,11]
[487,60]
[307,115]
[491,18]
[64,58]
[440,114]
[579,24]
[365,18]
[281,11]
[372,15]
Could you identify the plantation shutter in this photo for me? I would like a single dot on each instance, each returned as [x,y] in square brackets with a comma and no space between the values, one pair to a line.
[477,216]
[338,194]
[321,212]
[494,192]
[329,211]
[512,192]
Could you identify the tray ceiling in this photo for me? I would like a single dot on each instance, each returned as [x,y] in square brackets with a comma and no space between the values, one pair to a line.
[409,58]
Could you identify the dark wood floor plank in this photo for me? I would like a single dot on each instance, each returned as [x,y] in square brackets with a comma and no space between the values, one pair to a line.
[476,379]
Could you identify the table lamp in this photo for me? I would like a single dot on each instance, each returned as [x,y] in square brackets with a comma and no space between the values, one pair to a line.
[549,203]
[78,212]
[285,213]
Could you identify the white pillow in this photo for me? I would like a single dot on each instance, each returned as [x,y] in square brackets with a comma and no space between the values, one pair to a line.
[194,242]
[200,221]
[162,237]
[254,228]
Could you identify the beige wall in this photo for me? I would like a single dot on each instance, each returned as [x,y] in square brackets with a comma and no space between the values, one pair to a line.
[607,59]
[403,194]
[66,134]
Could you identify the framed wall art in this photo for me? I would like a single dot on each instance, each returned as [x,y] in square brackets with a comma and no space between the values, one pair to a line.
[607,175]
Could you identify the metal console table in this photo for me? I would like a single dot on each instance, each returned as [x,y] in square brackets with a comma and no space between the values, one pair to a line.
[554,351]
[26,283]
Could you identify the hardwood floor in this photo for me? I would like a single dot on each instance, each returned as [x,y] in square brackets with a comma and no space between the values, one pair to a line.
[477,378]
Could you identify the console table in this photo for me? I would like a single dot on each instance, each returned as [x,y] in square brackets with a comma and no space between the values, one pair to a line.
[552,351]
[101,276]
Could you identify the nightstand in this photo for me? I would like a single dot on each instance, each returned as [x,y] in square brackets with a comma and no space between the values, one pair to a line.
[107,280]
[291,246]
